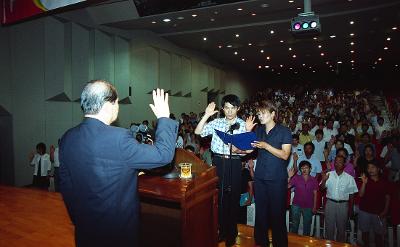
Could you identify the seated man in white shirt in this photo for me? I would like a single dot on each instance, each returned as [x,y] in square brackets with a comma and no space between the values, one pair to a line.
[320,145]
[42,166]
[340,188]
[329,131]
[316,167]
[380,127]
[297,150]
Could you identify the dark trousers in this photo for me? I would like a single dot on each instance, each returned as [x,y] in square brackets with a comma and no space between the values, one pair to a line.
[40,182]
[229,172]
[270,199]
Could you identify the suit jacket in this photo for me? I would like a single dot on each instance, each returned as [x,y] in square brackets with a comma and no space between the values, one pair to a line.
[98,178]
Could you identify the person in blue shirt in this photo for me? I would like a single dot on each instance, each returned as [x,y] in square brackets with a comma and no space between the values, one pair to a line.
[270,176]
[99,167]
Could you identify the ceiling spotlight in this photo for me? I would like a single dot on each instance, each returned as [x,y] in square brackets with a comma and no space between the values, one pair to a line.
[262,51]
[339,62]
[298,8]
[319,46]
[291,1]
[266,66]
[259,66]
[235,53]
[304,64]
[385,48]
[352,61]
[327,62]
[271,32]
[332,36]
[264,5]
[154,22]
[212,19]
[253,14]
[297,26]
[290,68]
[294,56]
[352,34]
[194,15]
[166,20]
[237,35]
[313,71]
[305,25]
[281,65]
[322,54]
[351,43]
[268,58]
[290,48]
[313,24]
[281,41]
[229,46]
[250,44]
[380,59]
[180,18]
[352,51]
[394,28]
[315,38]
[220,46]
[240,9]
[351,22]
[243,59]
[388,38]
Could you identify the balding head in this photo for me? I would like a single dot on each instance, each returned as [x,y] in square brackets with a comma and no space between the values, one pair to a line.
[95,94]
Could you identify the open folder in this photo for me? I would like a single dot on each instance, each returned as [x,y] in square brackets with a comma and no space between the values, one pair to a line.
[242,141]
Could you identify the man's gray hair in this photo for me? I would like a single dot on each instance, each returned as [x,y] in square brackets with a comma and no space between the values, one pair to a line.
[95,94]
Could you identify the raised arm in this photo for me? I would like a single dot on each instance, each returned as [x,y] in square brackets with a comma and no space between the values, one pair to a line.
[210,110]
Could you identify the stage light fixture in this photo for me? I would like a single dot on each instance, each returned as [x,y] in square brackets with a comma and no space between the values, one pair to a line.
[306,24]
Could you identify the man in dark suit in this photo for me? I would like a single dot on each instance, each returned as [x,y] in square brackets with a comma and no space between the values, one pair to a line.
[98,167]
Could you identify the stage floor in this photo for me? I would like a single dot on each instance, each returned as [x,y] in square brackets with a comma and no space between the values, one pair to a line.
[245,239]
[30,217]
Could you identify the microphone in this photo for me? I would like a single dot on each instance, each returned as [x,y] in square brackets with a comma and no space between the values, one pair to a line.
[233,127]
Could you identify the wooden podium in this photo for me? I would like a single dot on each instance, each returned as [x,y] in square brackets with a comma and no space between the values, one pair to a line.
[180,212]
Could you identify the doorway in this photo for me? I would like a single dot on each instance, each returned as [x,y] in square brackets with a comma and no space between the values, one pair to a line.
[6,148]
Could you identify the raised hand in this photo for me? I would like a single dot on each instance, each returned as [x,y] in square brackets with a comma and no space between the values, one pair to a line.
[364,178]
[160,104]
[295,157]
[250,123]
[325,176]
[210,110]
[291,172]
[52,149]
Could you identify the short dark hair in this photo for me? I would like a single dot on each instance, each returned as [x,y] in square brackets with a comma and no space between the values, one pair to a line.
[266,105]
[295,136]
[95,94]
[190,148]
[231,99]
[41,146]
[344,150]
[309,144]
[305,163]
[319,131]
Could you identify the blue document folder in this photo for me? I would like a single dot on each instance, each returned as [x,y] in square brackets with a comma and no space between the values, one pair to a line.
[242,141]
